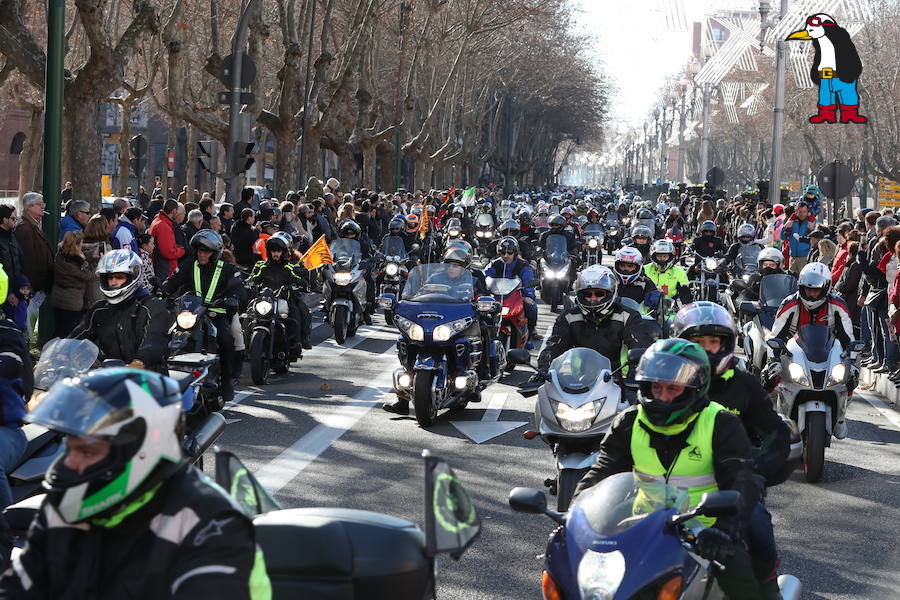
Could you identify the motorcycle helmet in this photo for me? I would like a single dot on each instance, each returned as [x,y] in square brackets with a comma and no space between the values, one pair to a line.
[458,211]
[125,262]
[138,412]
[746,233]
[778,209]
[458,255]
[704,318]
[348,228]
[277,242]
[814,276]
[641,231]
[589,282]
[644,214]
[207,239]
[507,244]
[678,362]
[412,222]
[567,212]
[396,226]
[662,248]
[454,228]
[627,256]
[556,223]
[720,204]
[769,255]
[707,228]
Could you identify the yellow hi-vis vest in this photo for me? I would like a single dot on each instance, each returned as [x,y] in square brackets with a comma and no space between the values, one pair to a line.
[692,470]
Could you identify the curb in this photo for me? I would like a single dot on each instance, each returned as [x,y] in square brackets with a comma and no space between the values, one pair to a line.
[882,386]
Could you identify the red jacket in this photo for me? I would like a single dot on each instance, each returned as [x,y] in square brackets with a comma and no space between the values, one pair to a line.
[163,231]
[837,266]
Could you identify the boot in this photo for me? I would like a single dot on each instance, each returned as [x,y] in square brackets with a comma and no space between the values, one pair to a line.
[238,365]
[767,576]
[841,430]
[305,343]
[849,114]
[400,407]
[827,114]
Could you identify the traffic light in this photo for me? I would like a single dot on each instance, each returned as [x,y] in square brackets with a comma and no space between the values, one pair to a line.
[243,156]
[206,154]
[137,147]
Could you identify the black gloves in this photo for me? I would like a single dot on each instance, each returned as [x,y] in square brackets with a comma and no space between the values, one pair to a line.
[540,377]
[714,544]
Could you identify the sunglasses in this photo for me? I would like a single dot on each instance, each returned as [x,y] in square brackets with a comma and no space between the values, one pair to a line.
[817,22]
[508,253]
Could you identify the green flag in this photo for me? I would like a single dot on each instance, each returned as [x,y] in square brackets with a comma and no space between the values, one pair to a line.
[469,193]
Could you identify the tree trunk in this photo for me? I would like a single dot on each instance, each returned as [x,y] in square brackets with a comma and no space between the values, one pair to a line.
[313,154]
[421,178]
[284,148]
[474,168]
[345,169]
[368,172]
[82,121]
[28,154]
[191,164]
[385,157]
[124,149]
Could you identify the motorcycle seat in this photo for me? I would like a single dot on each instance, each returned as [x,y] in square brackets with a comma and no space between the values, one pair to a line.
[20,515]
[37,437]
[342,554]
[182,378]
[193,358]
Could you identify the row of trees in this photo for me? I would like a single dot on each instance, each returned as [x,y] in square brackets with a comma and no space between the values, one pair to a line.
[460,83]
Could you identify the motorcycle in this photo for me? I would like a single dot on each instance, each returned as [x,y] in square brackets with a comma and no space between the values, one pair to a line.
[575,407]
[513,322]
[555,266]
[440,348]
[393,270]
[626,539]
[345,289]
[761,317]
[614,234]
[708,282]
[813,389]
[593,244]
[269,347]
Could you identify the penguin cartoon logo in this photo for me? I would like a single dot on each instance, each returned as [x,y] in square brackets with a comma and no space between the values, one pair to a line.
[836,68]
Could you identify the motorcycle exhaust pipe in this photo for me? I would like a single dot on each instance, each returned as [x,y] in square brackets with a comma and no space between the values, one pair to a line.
[200,441]
[790,587]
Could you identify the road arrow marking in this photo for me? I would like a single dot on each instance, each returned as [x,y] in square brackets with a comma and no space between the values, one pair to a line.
[489,426]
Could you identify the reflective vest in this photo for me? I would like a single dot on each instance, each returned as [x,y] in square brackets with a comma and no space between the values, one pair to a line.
[666,281]
[692,470]
[198,286]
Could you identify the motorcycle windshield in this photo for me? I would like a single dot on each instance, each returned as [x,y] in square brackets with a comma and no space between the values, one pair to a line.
[505,213]
[540,222]
[190,303]
[439,283]
[612,221]
[557,249]
[62,358]
[346,253]
[392,246]
[775,288]
[622,501]
[815,341]
[578,369]
[503,287]
[484,221]
[593,230]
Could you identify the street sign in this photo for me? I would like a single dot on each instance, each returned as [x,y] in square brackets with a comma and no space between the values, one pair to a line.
[248,71]
[888,190]
[138,149]
[244,98]
[715,177]
[835,180]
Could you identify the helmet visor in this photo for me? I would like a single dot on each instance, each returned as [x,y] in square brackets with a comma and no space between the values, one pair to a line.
[669,368]
[79,411]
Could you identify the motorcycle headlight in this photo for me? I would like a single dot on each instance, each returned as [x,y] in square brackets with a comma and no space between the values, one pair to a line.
[797,373]
[575,419]
[838,373]
[443,333]
[479,233]
[263,308]
[186,320]
[489,234]
[613,231]
[711,264]
[392,269]
[504,311]
[412,330]
[453,232]
[592,243]
[600,574]
[342,278]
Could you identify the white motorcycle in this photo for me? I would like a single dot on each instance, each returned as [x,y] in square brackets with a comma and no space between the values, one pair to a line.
[758,329]
[573,412]
[813,390]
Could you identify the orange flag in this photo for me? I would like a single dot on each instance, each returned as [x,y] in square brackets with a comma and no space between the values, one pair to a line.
[423,224]
[317,255]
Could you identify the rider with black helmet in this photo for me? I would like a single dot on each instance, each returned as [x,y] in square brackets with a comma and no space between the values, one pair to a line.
[510,265]
[707,244]
[130,324]
[125,516]
[677,435]
[278,271]
[215,281]
[641,238]
[352,231]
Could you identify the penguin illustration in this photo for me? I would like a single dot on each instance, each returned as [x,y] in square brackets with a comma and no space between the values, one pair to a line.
[836,67]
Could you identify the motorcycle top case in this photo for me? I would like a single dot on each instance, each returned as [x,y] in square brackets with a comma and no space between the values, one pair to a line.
[342,554]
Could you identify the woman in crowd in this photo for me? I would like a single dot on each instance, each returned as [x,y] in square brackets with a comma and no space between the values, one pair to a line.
[71,275]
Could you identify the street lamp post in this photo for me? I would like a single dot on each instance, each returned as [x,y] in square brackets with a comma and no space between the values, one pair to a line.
[680,172]
[778,109]
[655,141]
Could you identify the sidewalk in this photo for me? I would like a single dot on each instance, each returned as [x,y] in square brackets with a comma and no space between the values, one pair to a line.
[882,396]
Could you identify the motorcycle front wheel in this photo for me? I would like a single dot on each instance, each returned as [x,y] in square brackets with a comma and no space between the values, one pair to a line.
[340,322]
[814,447]
[423,400]
[566,483]
[259,364]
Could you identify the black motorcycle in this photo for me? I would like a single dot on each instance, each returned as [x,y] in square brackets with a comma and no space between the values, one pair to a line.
[269,345]
[393,270]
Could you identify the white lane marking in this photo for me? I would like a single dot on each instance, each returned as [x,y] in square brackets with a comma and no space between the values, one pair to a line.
[886,411]
[489,426]
[238,398]
[292,461]
[495,407]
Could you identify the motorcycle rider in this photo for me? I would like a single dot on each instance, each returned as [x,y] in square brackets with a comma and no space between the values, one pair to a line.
[509,266]
[813,304]
[598,320]
[215,281]
[276,272]
[641,238]
[744,252]
[633,282]
[707,244]
[351,230]
[511,228]
[677,435]
[710,326]
[669,278]
[768,262]
[125,516]
[130,324]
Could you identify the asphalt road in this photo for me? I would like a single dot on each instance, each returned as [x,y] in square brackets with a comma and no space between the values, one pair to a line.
[318,437]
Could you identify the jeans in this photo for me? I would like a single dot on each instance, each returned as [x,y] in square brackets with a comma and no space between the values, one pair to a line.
[12,445]
[834,91]
[889,347]
[761,537]
[531,313]
[865,330]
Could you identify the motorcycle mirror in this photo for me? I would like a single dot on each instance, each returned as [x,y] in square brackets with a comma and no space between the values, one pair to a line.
[518,356]
[749,307]
[635,354]
[775,343]
[857,346]
[723,503]
[528,500]
[113,362]
[387,301]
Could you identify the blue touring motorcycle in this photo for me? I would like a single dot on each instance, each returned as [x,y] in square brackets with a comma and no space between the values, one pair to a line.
[628,539]
[440,346]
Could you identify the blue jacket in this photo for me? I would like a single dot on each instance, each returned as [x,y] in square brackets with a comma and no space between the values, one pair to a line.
[67,224]
[518,268]
[799,247]
[133,244]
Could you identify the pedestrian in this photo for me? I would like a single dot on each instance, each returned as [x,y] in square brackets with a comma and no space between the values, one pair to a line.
[120,205]
[206,207]
[156,205]
[11,257]
[130,225]
[847,286]
[66,194]
[77,214]
[243,236]
[71,276]
[18,313]
[246,201]
[289,217]
[796,232]
[95,245]
[146,244]
[143,198]
[168,252]
[38,268]
[193,224]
